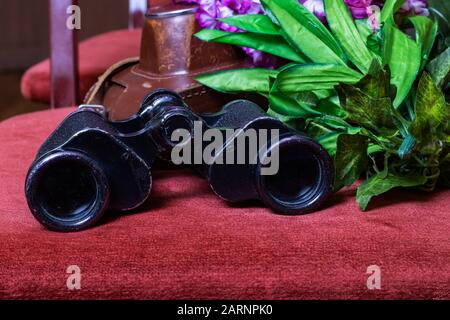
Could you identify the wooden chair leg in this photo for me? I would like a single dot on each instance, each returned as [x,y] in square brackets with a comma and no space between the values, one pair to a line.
[64,56]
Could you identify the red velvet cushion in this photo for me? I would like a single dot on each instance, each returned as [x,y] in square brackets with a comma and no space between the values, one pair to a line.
[187,243]
[96,55]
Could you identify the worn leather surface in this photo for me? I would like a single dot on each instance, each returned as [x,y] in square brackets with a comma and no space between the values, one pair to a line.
[170,58]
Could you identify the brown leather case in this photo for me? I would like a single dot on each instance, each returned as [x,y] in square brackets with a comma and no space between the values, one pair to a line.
[171,57]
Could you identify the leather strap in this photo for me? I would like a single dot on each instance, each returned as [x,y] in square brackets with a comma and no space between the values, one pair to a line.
[97,92]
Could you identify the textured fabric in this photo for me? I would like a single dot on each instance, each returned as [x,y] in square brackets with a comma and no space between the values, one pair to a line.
[96,55]
[187,243]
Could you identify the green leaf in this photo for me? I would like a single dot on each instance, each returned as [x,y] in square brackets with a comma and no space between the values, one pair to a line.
[290,121]
[439,69]
[374,43]
[308,98]
[351,159]
[403,56]
[241,80]
[325,136]
[256,23]
[383,182]
[331,106]
[334,123]
[426,32]
[324,94]
[287,106]
[298,105]
[313,24]
[374,148]
[315,77]
[377,83]
[363,28]
[303,33]
[406,147]
[390,8]
[274,45]
[432,112]
[371,39]
[441,10]
[342,24]
[317,130]
[371,113]
[329,142]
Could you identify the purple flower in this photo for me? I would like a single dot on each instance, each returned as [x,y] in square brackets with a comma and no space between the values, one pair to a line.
[210,11]
[359,8]
[416,8]
[262,59]
[373,13]
[316,7]
[243,6]
[207,13]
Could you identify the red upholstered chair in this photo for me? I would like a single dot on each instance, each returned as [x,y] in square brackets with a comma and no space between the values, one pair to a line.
[186,243]
[74,68]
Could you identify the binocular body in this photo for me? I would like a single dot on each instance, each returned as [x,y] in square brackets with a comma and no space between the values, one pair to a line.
[90,165]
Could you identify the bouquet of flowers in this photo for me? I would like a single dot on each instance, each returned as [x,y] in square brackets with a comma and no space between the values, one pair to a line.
[367,79]
[211,12]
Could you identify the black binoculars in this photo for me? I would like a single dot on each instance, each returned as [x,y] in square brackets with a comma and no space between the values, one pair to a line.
[90,165]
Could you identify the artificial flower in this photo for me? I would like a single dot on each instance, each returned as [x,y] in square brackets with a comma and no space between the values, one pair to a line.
[360,8]
[316,7]
[210,11]
[415,8]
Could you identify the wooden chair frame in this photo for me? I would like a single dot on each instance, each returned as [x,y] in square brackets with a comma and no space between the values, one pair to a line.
[64,50]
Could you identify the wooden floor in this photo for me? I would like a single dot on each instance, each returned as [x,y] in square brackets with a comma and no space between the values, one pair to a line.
[12,102]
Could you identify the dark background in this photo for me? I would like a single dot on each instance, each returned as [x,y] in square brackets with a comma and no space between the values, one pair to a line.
[24,40]
[24,27]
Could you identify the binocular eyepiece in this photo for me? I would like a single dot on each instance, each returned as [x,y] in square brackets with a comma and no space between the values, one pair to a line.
[91,165]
